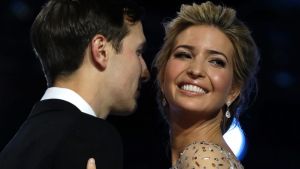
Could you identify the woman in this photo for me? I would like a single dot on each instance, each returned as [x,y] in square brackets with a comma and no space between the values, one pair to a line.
[206,68]
[206,71]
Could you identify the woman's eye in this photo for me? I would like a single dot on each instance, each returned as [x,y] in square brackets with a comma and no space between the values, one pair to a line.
[182,55]
[218,62]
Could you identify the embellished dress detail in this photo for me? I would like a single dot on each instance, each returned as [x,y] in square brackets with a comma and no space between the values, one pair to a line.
[204,155]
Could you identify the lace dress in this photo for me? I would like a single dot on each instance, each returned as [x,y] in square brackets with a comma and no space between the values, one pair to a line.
[204,155]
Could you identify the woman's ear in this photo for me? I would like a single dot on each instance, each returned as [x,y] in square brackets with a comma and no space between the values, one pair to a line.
[234,93]
[99,51]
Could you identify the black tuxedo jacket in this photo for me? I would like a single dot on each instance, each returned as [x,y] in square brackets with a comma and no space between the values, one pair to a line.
[57,135]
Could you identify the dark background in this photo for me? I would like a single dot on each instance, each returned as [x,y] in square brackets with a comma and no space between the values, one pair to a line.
[271,124]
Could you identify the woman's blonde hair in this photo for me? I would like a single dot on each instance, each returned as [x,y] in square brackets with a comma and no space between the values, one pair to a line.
[245,60]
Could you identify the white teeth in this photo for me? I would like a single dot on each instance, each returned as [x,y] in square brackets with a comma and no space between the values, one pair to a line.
[193,88]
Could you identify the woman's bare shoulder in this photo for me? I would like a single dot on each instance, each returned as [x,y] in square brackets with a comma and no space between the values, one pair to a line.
[206,155]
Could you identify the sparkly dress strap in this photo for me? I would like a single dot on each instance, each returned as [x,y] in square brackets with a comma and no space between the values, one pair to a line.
[206,155]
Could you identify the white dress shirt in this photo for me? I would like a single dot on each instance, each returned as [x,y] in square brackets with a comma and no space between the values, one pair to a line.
[69,96]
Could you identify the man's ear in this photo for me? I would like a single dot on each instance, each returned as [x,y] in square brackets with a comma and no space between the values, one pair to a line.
[99,51]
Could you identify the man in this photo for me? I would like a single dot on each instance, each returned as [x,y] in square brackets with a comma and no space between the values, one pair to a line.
[91,54]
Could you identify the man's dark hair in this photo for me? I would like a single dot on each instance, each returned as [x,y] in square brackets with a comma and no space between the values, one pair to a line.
[63,29]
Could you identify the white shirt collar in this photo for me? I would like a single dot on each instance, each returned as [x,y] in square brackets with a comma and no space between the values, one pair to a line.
[69,96]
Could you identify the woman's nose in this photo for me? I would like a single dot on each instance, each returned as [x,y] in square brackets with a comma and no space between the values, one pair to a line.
[196,70]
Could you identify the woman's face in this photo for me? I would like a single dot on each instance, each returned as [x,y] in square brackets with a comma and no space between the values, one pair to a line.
[198,76]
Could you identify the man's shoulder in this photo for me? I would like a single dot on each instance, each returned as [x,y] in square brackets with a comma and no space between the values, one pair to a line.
[64,118]
[56,127]
[60,115]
